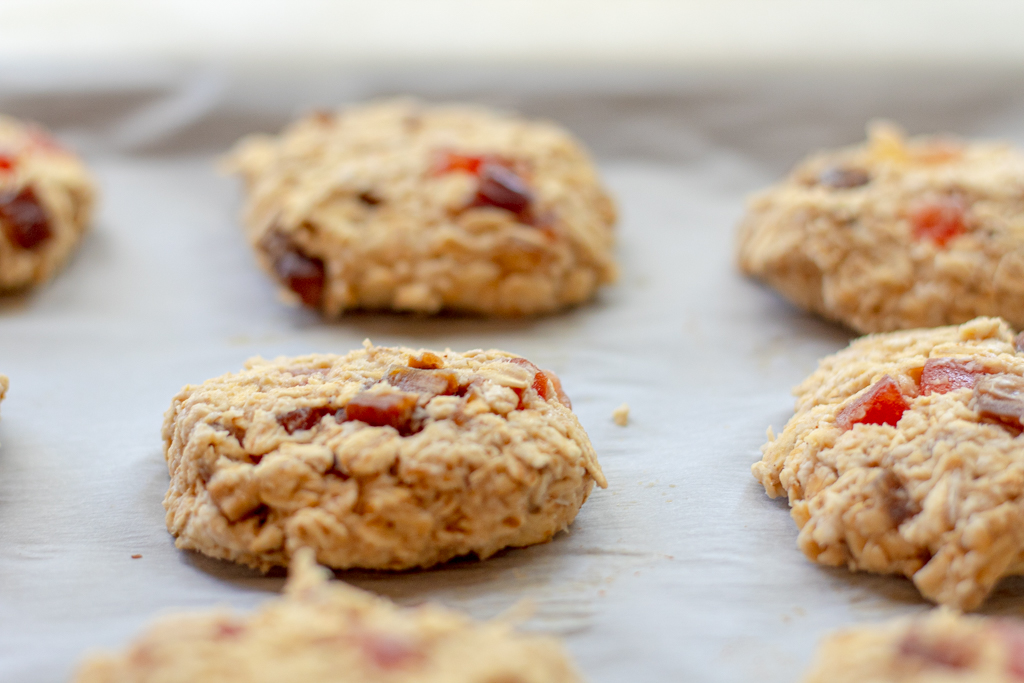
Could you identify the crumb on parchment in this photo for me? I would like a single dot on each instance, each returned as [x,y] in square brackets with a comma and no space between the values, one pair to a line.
[621,415]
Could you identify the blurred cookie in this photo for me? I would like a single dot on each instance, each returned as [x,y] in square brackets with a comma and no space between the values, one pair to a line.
[398,205]
[895,234]
[385,458]
[941,647]
[904,457]
[46,198]
[324,631]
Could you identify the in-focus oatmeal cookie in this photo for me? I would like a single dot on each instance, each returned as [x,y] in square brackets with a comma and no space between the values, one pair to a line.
[399,205]
[328,632]
[940,647]
[385,458]
[46,198]
[905,456]
[895,234]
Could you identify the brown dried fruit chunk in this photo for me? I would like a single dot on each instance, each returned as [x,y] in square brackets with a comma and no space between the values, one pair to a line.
[426,361]
[383,409]
[842,178]
[24,220]
[430,382]
[501,187]
[301,273]
[898,504]
[1000,397]
[303,418]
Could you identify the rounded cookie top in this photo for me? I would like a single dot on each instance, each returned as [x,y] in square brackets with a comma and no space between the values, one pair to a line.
[905,456]
[46,198]
[324,631]
[896,233]
[399,205]
[384,458]
[940,647]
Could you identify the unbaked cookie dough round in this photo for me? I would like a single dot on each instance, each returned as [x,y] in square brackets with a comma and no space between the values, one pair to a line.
[325,631]
[904,457]
[384,458]
[408,207]
[46,199]
[896,233]
[939,647]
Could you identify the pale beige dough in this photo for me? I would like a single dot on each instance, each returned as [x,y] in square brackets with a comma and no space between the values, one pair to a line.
[939,497]
[358,206]
[324,631]
[853,253]
[492,464]
[38,175]
[940,647]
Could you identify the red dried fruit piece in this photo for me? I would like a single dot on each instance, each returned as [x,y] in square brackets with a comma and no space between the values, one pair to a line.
[939,220]
[942,652]
[24,220]
[843,178]
[430,382]
[7,162]
[1000,397]
[426,361]
[501,187]
[388,651]
[392,409]
[883,403]
[450,162]
[545,383]
[1011,632]
[303,418]
[941,375]
[301,273]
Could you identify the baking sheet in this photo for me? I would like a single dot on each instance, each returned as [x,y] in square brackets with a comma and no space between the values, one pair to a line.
[682,570]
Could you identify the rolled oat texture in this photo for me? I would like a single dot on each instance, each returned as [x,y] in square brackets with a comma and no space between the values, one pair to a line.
[402,206]
[46,200]
[896,233]
[939,647]
[904,457]
[385,458]
[324,631]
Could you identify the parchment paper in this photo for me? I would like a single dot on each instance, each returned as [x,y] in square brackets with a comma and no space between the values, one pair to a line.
[683,570]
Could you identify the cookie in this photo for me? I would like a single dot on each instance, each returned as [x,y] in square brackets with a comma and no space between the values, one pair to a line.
[385,458]
[408,207]
[905,457]
[895,234]
[941,647]
[326,631]
[46,198]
